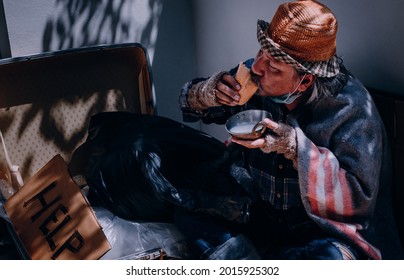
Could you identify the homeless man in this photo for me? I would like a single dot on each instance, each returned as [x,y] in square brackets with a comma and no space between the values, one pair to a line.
[321,168]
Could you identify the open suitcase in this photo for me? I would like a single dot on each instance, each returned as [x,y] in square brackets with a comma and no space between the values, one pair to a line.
[47,100]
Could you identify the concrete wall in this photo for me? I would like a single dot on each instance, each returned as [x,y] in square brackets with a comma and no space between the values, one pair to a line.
[189,38]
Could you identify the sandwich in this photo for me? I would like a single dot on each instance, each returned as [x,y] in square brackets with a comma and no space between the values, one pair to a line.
[248,86]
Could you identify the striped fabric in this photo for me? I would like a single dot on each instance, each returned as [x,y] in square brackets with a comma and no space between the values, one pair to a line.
[339,163]
[329,198]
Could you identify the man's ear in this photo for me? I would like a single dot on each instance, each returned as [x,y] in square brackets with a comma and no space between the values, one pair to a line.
[307,81]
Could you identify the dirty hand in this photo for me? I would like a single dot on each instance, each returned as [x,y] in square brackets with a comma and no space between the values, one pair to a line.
[257,143]
[281,139]
[226,91]
[220,89]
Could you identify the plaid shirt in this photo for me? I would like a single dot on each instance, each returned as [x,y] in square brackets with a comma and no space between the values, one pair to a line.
[275,177]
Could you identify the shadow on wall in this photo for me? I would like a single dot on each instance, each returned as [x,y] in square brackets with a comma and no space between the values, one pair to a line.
[77,23]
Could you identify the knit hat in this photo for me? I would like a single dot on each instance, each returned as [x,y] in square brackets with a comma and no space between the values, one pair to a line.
[303,35]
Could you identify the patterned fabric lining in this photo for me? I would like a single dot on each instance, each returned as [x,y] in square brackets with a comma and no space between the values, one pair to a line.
[35,134]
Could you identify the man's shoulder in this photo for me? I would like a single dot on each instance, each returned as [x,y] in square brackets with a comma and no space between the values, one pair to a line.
[354,91]
[353,100]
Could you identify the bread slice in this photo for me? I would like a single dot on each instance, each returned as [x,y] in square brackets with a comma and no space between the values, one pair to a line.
[248,86]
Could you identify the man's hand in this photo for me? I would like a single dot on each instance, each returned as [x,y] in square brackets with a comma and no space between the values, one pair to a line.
[281,139]
[260,142]
[226,91]
[251,144]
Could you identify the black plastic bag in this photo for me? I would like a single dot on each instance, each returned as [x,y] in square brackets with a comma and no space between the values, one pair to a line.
[141,166]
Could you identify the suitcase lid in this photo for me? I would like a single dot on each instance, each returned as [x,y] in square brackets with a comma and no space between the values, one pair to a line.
[47,99]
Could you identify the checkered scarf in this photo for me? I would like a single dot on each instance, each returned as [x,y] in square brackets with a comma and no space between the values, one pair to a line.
[327,68]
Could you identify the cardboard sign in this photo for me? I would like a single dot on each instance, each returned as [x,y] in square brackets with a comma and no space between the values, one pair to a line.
[53,219]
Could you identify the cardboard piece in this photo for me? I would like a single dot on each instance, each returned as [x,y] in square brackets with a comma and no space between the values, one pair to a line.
[53,219]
